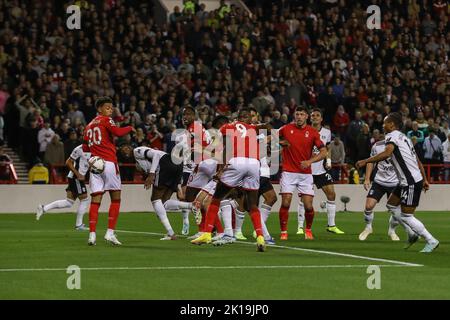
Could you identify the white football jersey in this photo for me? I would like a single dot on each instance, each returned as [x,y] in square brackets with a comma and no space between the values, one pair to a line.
[81,161]
[318,167]
[404,158]
[264,169]
[384,171]
[148,158]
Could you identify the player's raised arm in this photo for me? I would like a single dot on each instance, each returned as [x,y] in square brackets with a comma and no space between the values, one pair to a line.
[117,131]
[387,153]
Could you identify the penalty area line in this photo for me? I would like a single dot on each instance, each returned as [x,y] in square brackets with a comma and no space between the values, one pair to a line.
[201,267]
[395,262]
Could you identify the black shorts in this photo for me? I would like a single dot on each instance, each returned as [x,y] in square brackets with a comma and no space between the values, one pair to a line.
[169,174]
[77,187]
[323,180]
[409,195]
[185,179]
[377,191]
[264,185]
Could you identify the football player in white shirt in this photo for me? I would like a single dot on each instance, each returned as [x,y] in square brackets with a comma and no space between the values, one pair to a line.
[165,176]
[384,183]
[76,189]
[322,177]
[412,180]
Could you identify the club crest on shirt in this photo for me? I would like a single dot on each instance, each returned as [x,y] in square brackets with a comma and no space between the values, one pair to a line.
[306,134]
[292,131]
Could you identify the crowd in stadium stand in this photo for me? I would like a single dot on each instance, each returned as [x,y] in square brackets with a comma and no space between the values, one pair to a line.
[285,54]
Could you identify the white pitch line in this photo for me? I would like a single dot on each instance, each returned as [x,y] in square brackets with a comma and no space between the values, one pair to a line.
[203,267]
[306,250]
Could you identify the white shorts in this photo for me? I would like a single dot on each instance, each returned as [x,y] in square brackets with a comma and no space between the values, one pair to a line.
[297,182]
[242,172]
[210,187]
[204,173]
[108,180]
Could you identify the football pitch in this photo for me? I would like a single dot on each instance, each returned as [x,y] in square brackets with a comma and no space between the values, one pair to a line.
[35,255]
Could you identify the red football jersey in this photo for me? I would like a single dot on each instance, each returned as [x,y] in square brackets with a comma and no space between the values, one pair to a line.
[302,142]
[198,137]
[243,138]
[98,135]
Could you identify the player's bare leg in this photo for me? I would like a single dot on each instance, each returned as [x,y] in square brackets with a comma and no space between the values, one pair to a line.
[96,200]
[331,209]
[113,216]
[160,194]
[286,199]
[309,215]
[58,204]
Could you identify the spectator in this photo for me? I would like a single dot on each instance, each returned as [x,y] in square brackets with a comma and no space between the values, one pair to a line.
[71,143]
[54,154]
[354,130]
[341,121]
[155,138]
[418,148]
[125,156]
[2,126]
[446,156]
[5,161]
[363,145]
[45,136]
[337,152]
[416,132]
[432,147]
[276,121]
[30,142]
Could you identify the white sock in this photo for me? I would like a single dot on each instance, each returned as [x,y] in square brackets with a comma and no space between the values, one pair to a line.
[162,215]
[301,214]
[226,211]
[331,213]
[396,213]
[59,204]
[368,218]
[173,204]
[393,223]
[417,226]
[234,204]
[185,213]
[239,221]
[82,209]
[265,209]
[110,232]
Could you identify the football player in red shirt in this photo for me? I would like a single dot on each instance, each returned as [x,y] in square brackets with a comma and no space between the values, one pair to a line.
[98,139]
[296,173]
[240,168]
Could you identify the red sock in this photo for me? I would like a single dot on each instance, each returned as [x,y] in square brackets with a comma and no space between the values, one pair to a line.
[201,226]
[218,224]
[211,215]
[255,215]
[284,216]
[114,209]
[309,217]
[93,216]
[233,219]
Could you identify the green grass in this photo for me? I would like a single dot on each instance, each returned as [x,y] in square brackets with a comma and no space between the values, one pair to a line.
[52,243]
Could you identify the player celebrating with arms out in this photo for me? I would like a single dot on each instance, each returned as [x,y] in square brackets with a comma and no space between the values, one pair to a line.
[98,139]
[296,168]
[322,177]
[405,198]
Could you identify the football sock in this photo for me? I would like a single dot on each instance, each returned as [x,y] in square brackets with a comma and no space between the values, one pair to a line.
[284,216]
[301,214]
[211,215]
[185,213]
[173,204]
[417,226]
[256,220]
[240,216]
[265,211]
[396,213]
[93,216]
[59,204]
[331,213]
[162,216]
[309,217]
[368,218]
[82,208]
[227,211]
[113,214]
[393,223]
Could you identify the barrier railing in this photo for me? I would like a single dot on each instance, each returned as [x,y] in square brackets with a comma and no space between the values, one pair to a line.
[436,174]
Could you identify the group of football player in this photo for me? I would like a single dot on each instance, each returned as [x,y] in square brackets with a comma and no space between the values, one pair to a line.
[221,173]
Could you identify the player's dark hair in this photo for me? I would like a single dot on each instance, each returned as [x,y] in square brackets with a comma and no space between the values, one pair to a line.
[188,107]
[243,110]
[219,121]
[101,101]
[301,108]
[317,110]
[253,109]
[396,118]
